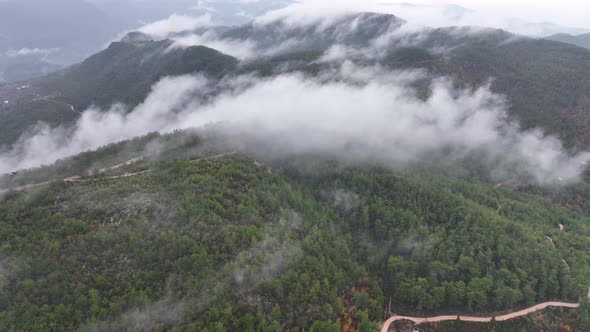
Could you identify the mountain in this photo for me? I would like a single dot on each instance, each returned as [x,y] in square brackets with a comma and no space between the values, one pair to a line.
[523,69]
[126,70]
[579,40]
[22,67]
[356,29]
[198,238]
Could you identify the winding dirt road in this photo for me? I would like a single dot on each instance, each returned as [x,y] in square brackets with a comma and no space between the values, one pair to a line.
[50,100]
[129,162]
[78,179]
[506,317]
[73,179]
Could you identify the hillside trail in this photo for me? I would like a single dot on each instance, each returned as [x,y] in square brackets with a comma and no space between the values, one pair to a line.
[79,179]
[550,241]
[387,324]
[70,107]
[419,320]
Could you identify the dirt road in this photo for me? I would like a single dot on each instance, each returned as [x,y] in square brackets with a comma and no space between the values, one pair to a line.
[129,162]
[506,317]
[50,100]
[80,179]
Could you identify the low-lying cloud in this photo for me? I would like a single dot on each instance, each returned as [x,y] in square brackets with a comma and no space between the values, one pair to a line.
[537,20]
[354,113]
[176,23]
[367,35]
[95,128]
[31,51]
[265,260]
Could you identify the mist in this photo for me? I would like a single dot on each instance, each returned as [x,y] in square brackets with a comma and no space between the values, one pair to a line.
[358,114]
[175,23]
[343,34]
[527,17]
[267,259]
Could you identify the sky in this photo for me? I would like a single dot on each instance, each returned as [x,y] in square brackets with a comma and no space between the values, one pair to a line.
[564,12]
[522,16]
[493,13]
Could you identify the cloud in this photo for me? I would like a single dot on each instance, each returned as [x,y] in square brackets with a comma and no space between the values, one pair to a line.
[382,119]
[269,37]
[533,19]
[242,49]
[341,198]
[153,316]
[265,260]
[43,145]
[527,18]
[31,51]
[360,114]
[356,35]
[308,12]
[176,23]
[507,18]
[205,5]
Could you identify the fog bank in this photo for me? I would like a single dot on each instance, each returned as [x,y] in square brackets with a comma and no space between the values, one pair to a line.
[354,113]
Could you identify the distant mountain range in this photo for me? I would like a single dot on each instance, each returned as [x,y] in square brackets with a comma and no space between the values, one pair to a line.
[39,36]
[75,29]
[579,40]
[523,69]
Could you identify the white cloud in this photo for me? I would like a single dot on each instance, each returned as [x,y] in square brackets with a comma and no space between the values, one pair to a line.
[237,48]
[359,114]
[176,23]
[524,17]
[31,51]
[44,145]
[529,17]
[206,5]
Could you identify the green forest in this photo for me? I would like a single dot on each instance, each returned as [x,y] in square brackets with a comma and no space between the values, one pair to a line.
[196,238]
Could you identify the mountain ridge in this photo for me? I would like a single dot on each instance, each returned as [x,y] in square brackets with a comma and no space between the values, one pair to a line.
[582,40]
[471,57]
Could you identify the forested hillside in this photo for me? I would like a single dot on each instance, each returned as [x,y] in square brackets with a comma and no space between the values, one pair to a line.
[327,175]
[205,239]
[580,40]
[126,70]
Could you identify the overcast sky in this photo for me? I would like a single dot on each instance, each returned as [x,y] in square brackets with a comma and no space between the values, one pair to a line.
[566,12]
[513,15]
